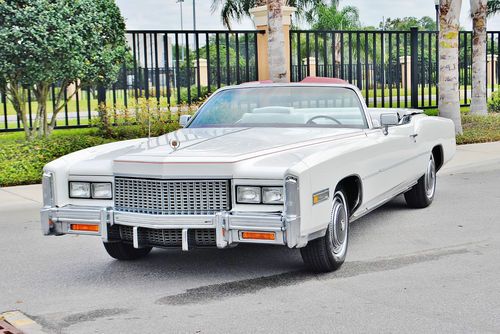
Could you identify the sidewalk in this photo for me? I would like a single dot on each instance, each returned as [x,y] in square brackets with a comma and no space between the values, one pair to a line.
[467,156]
[473,155]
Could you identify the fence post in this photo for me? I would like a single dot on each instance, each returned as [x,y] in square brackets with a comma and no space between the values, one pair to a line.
[312,65]
[491,69]
[203,72]
[414,67]
[260,19]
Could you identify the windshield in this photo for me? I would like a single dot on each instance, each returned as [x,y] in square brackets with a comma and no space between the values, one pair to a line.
[282,106]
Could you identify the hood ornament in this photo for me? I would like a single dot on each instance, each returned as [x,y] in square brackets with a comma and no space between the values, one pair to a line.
[174,144]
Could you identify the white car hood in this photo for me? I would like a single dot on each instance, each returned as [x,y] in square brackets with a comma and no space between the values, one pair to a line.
[228,152]
[230,144]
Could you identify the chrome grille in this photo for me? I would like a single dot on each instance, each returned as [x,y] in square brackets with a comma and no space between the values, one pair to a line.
[163,237]
[171,197]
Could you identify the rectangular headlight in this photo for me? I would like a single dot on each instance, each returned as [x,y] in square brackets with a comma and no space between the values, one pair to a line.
[79,189]
[272,195]
[102,190]
[248,195]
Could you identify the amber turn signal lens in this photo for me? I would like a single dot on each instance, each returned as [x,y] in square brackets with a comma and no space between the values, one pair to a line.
[315,199]
[258,235]
[85,227]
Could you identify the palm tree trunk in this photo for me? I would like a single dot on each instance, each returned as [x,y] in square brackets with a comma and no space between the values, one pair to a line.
[449,99]
[478,100]
[276,41]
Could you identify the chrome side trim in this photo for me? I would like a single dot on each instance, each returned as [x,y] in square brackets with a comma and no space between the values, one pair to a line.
[384,198]
[394,165]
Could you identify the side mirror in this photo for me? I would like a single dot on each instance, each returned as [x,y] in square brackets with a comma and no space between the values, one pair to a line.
[184,120]
[387,120]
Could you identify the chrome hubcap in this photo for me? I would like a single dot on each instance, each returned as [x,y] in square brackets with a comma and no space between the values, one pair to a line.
[338,225]
[430,178]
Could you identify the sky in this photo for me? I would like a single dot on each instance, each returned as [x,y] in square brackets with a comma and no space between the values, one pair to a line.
[165,14]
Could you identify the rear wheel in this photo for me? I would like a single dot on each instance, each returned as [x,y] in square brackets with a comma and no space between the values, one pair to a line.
[328,253]
[422,194]
[125,252]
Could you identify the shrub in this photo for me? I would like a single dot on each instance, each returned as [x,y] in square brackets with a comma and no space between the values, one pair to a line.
[204,93]
[22,162]
[494,102]
[141,119]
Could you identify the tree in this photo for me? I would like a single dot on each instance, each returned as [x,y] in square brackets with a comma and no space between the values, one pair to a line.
[478,98]
[237,9]
[276,42]
[425,23]
[449,23]
[493,7]
[332,17]
[61,42]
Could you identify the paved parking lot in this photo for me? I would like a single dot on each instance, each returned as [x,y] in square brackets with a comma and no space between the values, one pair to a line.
[430,270]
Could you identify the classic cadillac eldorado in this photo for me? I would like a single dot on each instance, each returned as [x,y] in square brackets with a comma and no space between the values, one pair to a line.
[278,164]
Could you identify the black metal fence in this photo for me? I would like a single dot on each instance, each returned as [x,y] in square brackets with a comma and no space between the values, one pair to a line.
[392,68]
[173,67]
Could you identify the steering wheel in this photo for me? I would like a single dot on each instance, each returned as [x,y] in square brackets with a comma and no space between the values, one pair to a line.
[311,120]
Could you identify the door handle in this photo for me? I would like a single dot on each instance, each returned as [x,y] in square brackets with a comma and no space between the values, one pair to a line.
[414,137]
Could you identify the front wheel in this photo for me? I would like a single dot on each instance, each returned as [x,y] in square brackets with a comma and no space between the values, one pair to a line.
[328,253]
[422,194]
[125,252]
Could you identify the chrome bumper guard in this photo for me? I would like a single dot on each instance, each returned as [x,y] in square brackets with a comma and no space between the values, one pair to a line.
[228,226]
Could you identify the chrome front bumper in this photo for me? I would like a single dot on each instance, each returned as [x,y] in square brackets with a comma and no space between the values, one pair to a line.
[228,226]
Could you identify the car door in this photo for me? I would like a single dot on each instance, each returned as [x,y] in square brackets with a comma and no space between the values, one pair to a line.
[391,162]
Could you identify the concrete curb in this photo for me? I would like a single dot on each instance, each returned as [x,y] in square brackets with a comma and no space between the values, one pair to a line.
[22,322]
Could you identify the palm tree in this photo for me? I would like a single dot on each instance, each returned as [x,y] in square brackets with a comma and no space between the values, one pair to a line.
[478,98]
[449,23]
[276,42]
[493,7]
[480,10]
[331,17]
[237,9]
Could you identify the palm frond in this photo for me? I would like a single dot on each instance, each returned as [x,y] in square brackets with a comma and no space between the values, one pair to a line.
[493,7]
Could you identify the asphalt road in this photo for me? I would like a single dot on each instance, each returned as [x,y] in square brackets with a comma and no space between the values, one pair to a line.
[430,270]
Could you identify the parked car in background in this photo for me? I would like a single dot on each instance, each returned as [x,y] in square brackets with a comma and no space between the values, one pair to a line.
[281,164]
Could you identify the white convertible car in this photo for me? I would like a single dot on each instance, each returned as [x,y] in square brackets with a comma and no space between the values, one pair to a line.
[280,164]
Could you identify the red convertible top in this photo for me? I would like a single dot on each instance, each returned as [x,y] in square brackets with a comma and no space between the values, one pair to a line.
[323,80]
[307,80]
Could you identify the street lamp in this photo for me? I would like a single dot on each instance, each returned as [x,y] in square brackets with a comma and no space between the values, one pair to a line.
[180,2]
[194,14]
[182,20]
[436,6]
